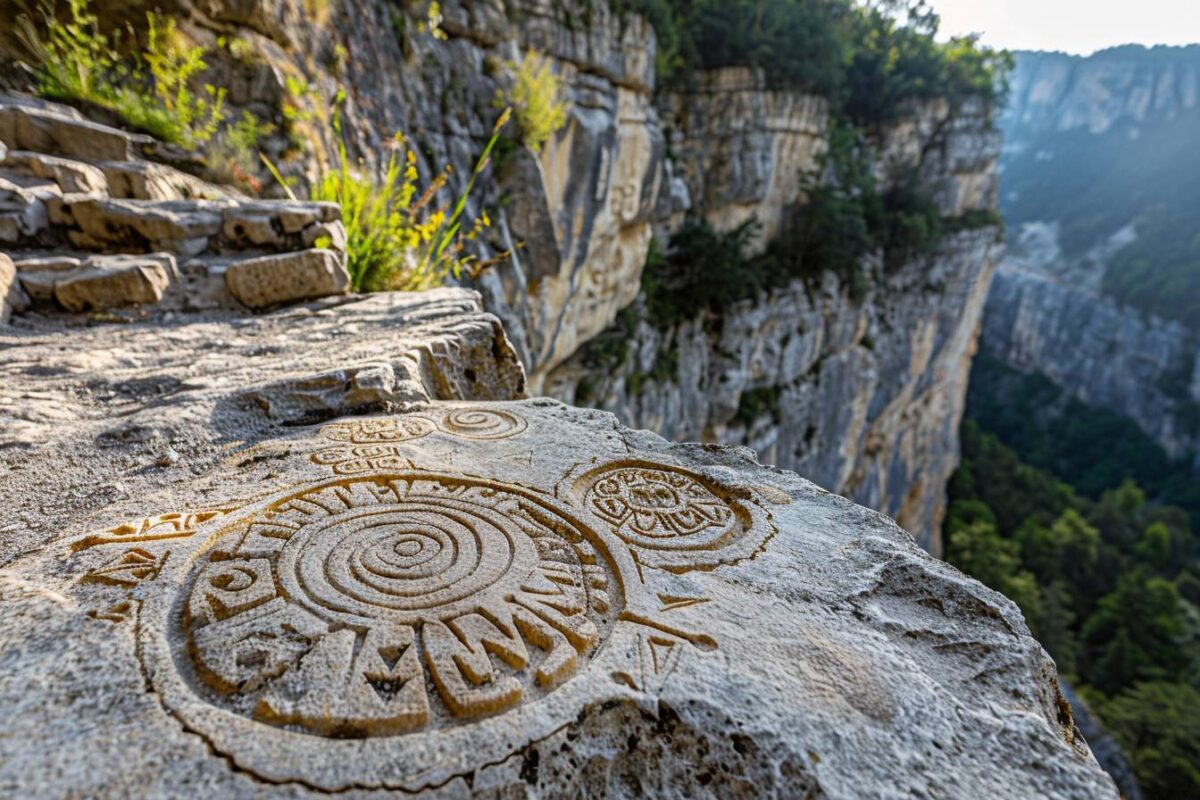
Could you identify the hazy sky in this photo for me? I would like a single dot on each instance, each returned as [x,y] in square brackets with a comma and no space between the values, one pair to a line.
[1074,26]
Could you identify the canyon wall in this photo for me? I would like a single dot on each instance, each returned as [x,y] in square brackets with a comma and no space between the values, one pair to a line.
[1057,306]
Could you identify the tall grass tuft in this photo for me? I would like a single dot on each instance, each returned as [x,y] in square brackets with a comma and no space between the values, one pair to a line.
[536,98]
[151,89]
[395,238]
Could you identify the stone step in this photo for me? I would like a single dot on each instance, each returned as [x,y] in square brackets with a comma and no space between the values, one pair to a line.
[35,213]
[91,225]
[194,227]
[56,131]
[77,281]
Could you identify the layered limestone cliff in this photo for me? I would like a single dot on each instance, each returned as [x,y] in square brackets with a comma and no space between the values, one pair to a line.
[1053,309]
[1142,367]
[743,152]
[863,395]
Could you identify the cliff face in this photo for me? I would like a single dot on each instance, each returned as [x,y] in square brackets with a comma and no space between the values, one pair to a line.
[863,396]
[744,152]
[1060,92]
[1061,304]
[1142,367]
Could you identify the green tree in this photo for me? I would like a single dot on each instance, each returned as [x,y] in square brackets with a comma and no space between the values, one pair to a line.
[1158,725]
[1154,547]
[1131,637]
[977,549]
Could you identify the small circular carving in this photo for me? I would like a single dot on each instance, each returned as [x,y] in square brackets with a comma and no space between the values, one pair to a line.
[341,607]
[482,423]
[676,519]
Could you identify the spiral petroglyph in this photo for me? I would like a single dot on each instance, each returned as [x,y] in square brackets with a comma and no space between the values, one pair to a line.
[378,445]
[386,604]
[482,423]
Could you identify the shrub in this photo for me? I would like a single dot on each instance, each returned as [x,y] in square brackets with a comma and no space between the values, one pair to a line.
[536,100]
[395,238]
[151,90]
[704,269]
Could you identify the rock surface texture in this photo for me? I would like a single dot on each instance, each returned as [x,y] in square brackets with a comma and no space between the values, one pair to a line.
[220,578]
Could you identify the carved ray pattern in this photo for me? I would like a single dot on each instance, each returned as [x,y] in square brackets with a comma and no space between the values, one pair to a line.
[175,525]
[380,605]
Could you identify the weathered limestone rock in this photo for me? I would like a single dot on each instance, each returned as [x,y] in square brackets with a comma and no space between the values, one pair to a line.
[745,151]
[113,281]
[61,133]
[145,180]
[70,176]
[270,280]
[157,226]
[490,598]
[12,296]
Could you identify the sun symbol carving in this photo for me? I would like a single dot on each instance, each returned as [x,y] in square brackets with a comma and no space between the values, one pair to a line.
[381,605]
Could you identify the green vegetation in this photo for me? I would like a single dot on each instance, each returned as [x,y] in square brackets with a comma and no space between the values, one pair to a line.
[1091,449]
[1158,724]
[703,269]
[1109,586]
[395,238]
[842,223]
[757,403]
[150,87]
[536,100]
[870,59]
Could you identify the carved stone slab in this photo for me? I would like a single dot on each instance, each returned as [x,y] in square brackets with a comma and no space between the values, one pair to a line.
[517,598]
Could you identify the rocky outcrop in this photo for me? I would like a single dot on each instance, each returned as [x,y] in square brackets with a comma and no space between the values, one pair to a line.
[242,586]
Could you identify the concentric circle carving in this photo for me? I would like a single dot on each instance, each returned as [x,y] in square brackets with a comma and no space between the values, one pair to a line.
[675,519]
[482,423]
[387,604]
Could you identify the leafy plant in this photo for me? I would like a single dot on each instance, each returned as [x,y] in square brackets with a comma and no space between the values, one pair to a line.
[151,90]
[536,100]
[395,238]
